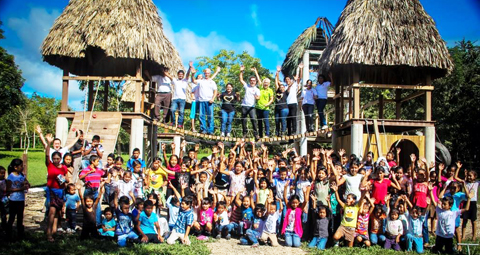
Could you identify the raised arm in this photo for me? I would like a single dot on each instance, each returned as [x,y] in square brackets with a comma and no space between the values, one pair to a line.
[277,78]
[217,70]
[39,131]
[254,69]
[432,198]
[242,69]
[340,202]
[299,76]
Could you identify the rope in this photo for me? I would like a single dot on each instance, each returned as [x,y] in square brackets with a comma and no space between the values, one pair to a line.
[368,134]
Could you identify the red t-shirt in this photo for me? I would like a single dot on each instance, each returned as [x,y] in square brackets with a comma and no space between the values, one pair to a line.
[420,194]
[380,190]
[53,172]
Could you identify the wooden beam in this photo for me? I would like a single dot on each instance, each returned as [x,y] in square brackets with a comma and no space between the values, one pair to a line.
[356,94]
[90,95]
[377,138]
[101,78]
[138,90]
[428,100]
[106,87]
[412,96]
[64,104]
[392,86]
[398,105]
[381,104]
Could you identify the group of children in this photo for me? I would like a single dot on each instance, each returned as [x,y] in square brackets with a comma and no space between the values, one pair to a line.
[322,198]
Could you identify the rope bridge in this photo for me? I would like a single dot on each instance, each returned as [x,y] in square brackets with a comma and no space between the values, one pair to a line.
[181,131]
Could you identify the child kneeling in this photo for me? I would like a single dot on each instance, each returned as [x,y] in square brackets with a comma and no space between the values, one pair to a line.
[183,224]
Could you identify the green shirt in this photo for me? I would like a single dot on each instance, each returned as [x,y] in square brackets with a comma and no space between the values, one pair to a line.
[265,96]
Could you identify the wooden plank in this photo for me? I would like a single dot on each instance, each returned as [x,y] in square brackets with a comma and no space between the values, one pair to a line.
[90,95]
[64,104]
[398,104]
[392,86]
[101,78]
[412,96]
[377,137]
[356,103]
[138,97]
[428,105]
[380,106]
[106,86]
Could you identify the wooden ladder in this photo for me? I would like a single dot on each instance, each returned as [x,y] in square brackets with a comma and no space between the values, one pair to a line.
[377,138]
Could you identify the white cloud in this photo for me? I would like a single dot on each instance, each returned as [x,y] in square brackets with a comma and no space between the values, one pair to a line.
[40,77]
[190,45]
[260,37]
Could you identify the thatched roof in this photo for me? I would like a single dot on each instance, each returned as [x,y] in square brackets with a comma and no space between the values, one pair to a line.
[109,38]
[386,33]
[311,38]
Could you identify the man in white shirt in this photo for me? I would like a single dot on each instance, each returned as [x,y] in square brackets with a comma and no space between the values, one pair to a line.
[252,94]
[207,92]
[163,95]
[179,95]
[321,101]
[292,101]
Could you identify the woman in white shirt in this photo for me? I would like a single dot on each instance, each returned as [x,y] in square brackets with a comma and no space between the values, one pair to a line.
[322,96]
[308,104]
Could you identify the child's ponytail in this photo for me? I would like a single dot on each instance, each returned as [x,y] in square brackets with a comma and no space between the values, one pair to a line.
[15,162]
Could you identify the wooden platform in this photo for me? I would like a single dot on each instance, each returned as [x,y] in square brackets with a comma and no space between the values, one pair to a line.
[391,126]
[105,124]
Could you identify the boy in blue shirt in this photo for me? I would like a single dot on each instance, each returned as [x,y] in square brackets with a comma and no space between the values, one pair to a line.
[125,224]
[135,156]
[148,223]
[70,207]
[183,224]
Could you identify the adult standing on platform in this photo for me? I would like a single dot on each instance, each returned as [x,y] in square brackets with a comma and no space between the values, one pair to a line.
[309,95]
[207,92]
[281,107]
[292,102]
[252,94]
[179,95]
[263,105]
[322,94]
[163,95]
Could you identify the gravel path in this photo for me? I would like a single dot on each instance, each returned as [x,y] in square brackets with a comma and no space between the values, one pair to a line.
[222,247]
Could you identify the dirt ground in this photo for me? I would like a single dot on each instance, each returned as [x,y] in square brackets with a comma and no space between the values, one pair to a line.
[33,221]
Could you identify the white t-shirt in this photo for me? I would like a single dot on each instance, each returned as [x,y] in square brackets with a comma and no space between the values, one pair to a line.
[446,222]
[250,93]
[124,189]
[353,185]
[291,221]
[223,218]
[292,96]
[322,90]
[163,83]
[472,187]
[205,89]
[394,227]
[299,189]
[308,96]
[62,151]
[180,88]
[271,223]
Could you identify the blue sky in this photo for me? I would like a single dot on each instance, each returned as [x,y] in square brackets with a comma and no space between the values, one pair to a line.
[265,29]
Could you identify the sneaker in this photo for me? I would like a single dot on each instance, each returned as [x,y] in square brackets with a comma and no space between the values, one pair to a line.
[202,238]
[180,126]
[324,127]
[336,244]
[228,134]
[218,236]
[60,230]
[222,134]
[266,136]
[228,237]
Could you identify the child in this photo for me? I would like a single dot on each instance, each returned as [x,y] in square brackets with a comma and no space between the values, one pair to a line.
[263,192]
[108,223]
[93,149]
[380,185]
[125,187]
[3,193]
[376,224]
[183,224]
[361,233]
[237,177]
[255,232]
[92,176]
[89,207]
[394,230]
[471,187]
[270,227]
[148,226]
[71,206]
[113,178]
[17,184]
[446,222]
[156,179]
[416,218]
[68,163]
[350,216]
[320,234]
[125,227]
[173,205]
[136,157]
[138,179]
[223,226]
[458,197]
[139,206]
[292,224]
[204,223]
[352,180]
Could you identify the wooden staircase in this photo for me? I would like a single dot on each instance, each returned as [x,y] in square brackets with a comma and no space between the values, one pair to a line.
[105,124]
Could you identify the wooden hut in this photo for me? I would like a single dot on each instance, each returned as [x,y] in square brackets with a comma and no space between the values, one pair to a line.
[108,41]
[384,44]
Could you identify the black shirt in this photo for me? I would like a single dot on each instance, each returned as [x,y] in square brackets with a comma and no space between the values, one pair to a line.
[228,101]
[281,100]
[77,146]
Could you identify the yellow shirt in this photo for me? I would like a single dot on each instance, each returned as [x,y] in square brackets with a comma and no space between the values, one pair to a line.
[350,216]
[156,177]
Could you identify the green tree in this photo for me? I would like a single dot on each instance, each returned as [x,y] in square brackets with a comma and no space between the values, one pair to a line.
[455,104]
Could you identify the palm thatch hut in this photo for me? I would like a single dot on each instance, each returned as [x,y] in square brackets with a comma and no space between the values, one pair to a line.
[384,44]
[389,41]
[314,38]
[109,38]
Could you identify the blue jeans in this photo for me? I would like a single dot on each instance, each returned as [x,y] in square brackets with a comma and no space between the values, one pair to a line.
[251,238]
[281,119]
[292,239]
[122,239]
[94,193]
[374,238]
[318,242]
[262,117]
[418,240]
[206,117]
[227,228]
[178,104]
[321,103]
[426,238]
[227,119]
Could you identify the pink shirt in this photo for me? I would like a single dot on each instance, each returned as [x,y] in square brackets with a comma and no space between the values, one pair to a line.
[205,216]
[380,190]
[420,194]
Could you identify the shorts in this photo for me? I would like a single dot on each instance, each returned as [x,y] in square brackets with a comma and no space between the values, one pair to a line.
[432,213]
[347,232]
[364,237]
[471,214]
[193,110]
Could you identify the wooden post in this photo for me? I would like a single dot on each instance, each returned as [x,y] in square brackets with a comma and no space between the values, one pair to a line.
[398,104]
[64,104]
[25,164]
[428,99]
[105,95]
[342,103]
[356,94]
[138,90]
[90,95]
[338,114]
[380,106]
